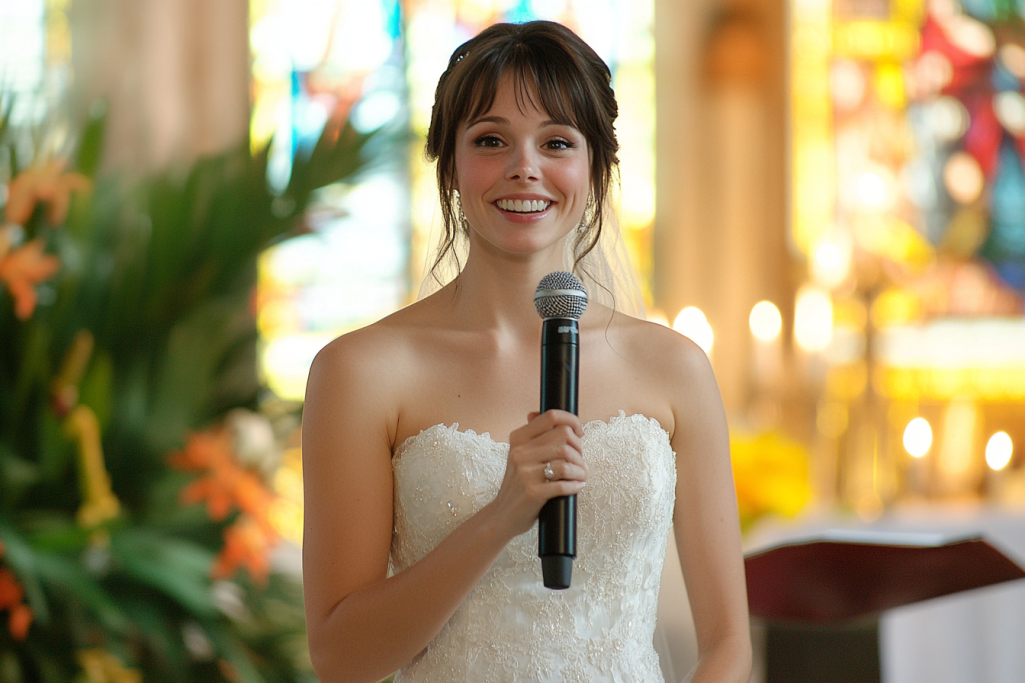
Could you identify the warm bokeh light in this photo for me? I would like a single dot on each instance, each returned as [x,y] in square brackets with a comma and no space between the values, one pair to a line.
[658,317]
[828,256]
[875,189]
[848,85]
[831,264]
[944,359]
[963,178]
[693,324]
[889,86]
[998,451]
[918,437]
[948,118]
[932,72]
[1009,107]
[813,319]
[971,35]
[765,321]
[1012,56]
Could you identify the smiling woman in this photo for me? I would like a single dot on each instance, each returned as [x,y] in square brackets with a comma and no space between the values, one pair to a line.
[557,82]
[420,539]
[522,178]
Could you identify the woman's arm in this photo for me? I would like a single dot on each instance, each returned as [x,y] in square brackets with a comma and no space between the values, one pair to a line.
[362,625]
[705,522]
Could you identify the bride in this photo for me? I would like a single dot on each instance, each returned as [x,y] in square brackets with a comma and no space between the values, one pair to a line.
[426,463]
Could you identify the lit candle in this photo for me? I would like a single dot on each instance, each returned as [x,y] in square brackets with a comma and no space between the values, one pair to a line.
[766,323]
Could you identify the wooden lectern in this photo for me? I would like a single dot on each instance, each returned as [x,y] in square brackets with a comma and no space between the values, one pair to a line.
[821,596]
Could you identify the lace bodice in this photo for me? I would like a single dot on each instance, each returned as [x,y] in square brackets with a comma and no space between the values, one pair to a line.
[510,627]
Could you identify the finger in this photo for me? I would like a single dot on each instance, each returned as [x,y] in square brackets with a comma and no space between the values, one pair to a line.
[565,471]
[546,422]
[563,488]
[563,417]
[550,419]
[531,415]
[560,444]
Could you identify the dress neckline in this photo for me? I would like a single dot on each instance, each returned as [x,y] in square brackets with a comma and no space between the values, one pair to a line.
[486,436]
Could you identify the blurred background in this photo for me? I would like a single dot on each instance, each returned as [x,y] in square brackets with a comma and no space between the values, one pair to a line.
[828,196]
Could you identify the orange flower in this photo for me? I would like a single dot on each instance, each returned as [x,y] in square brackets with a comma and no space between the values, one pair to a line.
[11,594]
[11,591]
[48,184]
[227,483]
[21,619]
[24,268]
[246,544]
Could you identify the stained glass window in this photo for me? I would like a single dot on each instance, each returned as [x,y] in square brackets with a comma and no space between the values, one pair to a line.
[909,205]
[35,57]
[314,59]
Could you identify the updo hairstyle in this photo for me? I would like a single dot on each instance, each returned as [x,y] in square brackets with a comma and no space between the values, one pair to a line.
[574,87]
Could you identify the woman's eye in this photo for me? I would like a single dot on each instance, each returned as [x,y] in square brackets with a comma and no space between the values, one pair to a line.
[559,143]
[487,141]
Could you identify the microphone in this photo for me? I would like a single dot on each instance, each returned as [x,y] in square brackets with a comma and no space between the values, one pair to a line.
[560,300]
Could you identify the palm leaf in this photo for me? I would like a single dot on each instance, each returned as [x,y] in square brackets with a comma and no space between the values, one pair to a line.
[174,567]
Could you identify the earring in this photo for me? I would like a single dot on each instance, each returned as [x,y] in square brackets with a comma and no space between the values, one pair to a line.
[465,224]
[589,211]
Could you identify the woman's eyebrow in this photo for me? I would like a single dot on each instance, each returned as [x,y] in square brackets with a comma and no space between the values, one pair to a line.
[488,119]
[553,122]
[504,121]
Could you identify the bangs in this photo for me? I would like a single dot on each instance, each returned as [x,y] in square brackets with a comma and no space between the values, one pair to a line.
[539,81]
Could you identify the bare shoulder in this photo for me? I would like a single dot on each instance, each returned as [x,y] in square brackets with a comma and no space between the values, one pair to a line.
[361,374]
[674,370]
[659,350]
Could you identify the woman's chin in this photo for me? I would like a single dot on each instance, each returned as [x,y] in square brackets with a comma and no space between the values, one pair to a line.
[523,248]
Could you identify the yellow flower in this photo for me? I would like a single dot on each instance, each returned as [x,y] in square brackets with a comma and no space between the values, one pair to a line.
[770,473]
[99,666]
[99,504]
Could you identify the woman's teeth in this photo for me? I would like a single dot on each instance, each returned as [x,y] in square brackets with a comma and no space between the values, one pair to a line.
[522,205]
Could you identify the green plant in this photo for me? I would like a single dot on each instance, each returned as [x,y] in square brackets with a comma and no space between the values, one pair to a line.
[129,335]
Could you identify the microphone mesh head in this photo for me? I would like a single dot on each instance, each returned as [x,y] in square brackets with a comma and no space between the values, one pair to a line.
[560,295]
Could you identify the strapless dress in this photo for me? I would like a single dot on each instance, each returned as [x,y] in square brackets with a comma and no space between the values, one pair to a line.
[510,627]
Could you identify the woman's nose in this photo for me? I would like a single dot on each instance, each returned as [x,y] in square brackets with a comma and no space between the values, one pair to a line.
[523,164]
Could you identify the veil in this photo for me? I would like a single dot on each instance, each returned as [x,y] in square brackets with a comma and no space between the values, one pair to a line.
[606,271]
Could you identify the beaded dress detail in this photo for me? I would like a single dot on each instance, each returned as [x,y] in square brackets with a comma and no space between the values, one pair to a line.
[510,627]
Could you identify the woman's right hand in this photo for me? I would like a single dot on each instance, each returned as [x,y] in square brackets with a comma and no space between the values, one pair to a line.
[554,438]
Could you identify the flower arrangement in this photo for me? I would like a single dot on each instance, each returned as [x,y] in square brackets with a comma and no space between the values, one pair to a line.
[770,473]
[135,509]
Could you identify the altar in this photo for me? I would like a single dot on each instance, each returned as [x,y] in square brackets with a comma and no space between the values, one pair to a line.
[968,637]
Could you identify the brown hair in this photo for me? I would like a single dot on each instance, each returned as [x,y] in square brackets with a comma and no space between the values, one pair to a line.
[571,81]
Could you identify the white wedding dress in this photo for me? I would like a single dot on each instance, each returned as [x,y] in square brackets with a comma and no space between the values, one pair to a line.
[510,627]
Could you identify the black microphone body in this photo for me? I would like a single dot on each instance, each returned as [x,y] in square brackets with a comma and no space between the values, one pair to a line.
[557,522]
[560,301]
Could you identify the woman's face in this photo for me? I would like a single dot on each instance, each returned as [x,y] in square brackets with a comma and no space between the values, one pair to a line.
[523,179]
